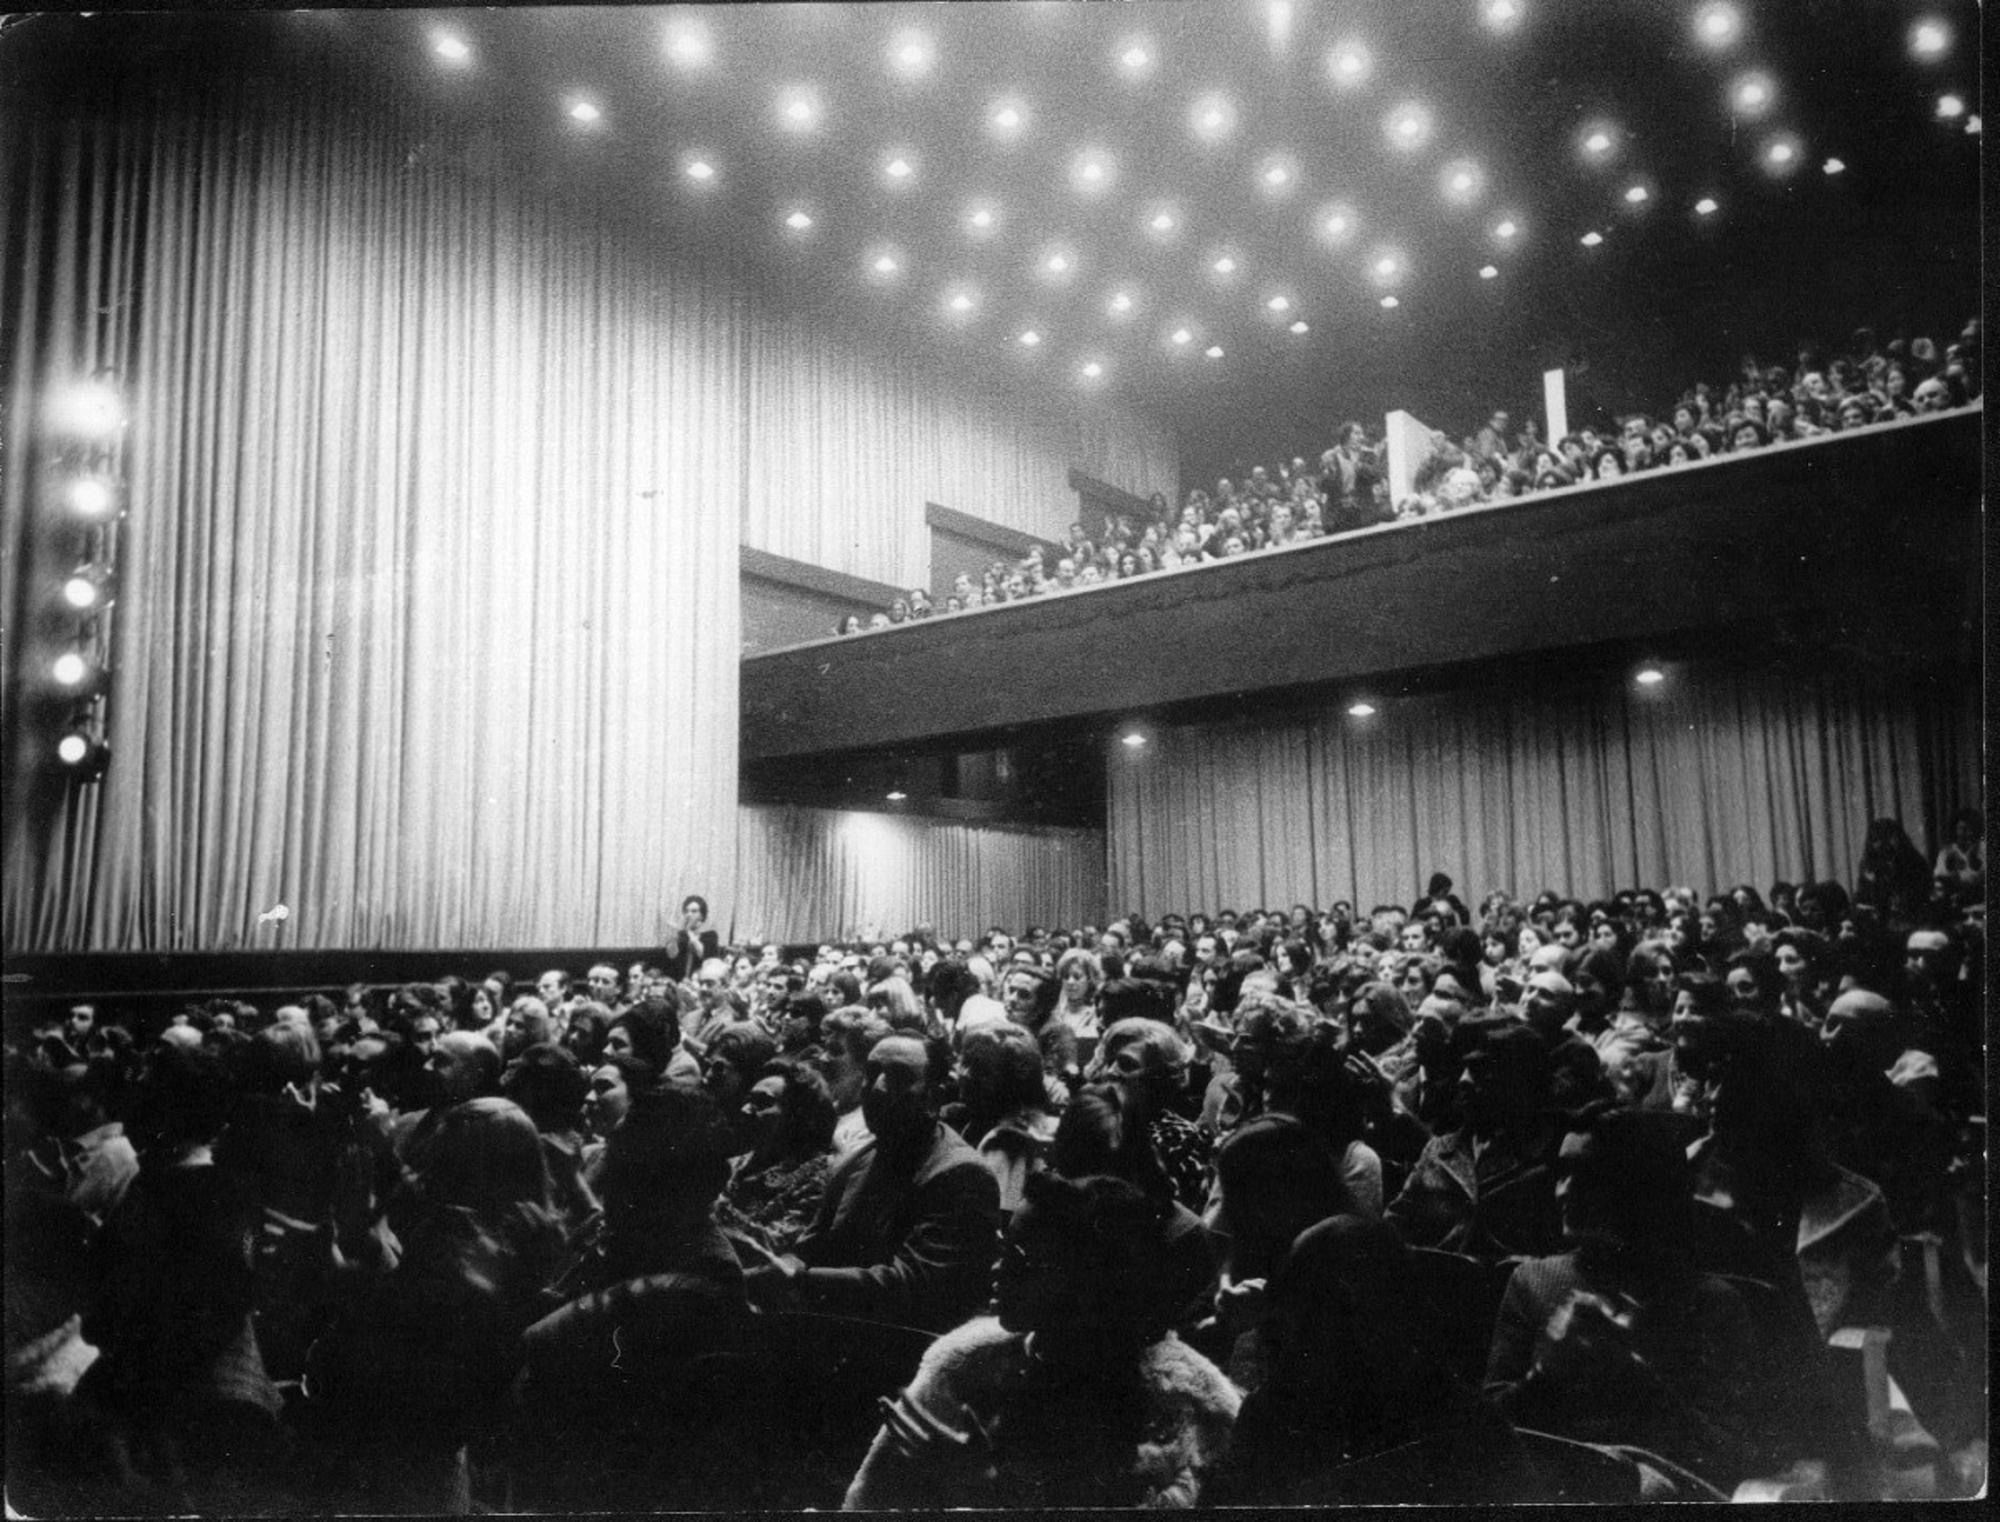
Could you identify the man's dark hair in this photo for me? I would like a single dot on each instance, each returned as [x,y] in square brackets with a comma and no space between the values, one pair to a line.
[655,1028]
[547,1082]
[670,1156]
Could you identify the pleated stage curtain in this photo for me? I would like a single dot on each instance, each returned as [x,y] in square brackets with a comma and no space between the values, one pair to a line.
[427,604]
[822,874]
[1719,778]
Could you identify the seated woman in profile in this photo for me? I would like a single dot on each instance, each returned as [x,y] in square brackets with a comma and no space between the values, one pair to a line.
[775,1188]
[1074,1393]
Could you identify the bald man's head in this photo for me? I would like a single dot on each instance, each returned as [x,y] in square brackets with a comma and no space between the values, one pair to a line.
[1548,1002]
[467,1066]
[1860,1017]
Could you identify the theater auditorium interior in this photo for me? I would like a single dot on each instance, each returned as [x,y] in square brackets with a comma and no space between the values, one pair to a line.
[604,608]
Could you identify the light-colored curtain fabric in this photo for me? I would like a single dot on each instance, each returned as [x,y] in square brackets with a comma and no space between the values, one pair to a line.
[822,874]
[428,596]
[1719,778]
[846,445]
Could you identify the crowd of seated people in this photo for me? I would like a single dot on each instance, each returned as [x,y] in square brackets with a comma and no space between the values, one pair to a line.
[1869,382]
[1560,1199]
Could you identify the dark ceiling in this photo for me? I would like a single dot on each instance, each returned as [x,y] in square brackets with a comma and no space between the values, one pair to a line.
[1667,297]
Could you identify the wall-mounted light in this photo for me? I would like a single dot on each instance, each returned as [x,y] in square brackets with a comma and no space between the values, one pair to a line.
[82,754]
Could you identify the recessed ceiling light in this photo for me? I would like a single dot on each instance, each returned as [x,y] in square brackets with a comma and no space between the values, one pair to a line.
[1592,239]
[1213,351]
[1408,126]
[1348,63]
[1752,94]
[1092,369]
[798,221]
[1334,222]
[1597,142]
[701,169]
[1717,25]
[1361,710]
[1007,118]
[910,53]
[688,43]
[1649,676]
[1705,206]
[1489,272]
[583,111]
[1225,265]
[1461,182]
[885,264]
[1090,170]
[1834,166]
[1637,195]
[1182,336]
[1163,222]
[450,47]
[1135,59]
[798,109]
[1385,266]
[1301,327]
[1133,739]
[1276,174]
[898,169]
[961,302]
[1950,106]
[1505,230]
[896,795]
[1500,15]
[1121,303]
[1279,304]
[1030,338]
[1390,303]
[1929,38]
[1056,264]
[980,217]
[1212,118]
[1782,153]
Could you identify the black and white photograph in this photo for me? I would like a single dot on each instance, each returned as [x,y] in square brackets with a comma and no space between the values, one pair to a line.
[603,608]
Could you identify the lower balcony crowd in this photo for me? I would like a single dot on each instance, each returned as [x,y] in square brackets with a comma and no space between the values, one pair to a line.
[1822,392]
[1658,1195]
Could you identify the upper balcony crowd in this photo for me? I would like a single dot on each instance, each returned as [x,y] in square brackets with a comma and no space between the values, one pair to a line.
[1824,391]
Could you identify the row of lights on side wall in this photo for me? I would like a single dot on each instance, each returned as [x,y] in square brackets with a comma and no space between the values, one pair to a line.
[83,436]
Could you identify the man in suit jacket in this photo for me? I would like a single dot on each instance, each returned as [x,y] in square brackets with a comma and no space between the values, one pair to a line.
[909,1228]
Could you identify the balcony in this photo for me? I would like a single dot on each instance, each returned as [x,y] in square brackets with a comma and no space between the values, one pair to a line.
[1857,546]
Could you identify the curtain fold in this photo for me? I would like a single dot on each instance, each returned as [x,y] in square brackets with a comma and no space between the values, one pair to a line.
[1722,777]
[823,874]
